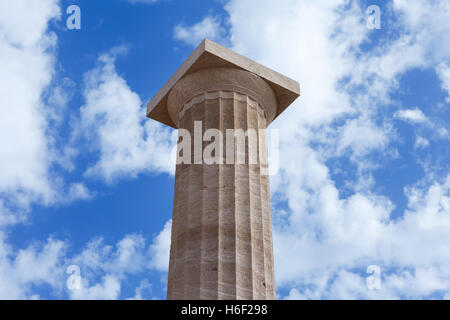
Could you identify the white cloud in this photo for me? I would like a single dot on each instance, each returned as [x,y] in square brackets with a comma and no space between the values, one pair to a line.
[160,248]
[421,142]
[108,289]
[24,22]
[114,124]
[78,191]
[27,64]
[443,71]
[33,266]
[362,136]
[144,289]
[32,105]
[428,20]
[113,265]
[416,116]
[210,27]
[103,267]
[8,217]
[28,107]
[128,256]
[413,115]
[353,233]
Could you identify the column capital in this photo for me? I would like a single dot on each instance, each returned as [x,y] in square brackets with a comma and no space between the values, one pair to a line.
[212,55]
[223,80]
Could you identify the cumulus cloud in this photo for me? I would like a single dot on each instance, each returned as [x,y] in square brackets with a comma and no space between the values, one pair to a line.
[105,267]
[114,124]
[160,248]
[413,115]
[143,290]
[421,142]
[111,264]
[363,136]
[79,191]
[210,27]
[443,71]
[107,289]
[356,234]
[27,64]
[23,270]
[417,117]
[126,257]
[428,21]
[32,105]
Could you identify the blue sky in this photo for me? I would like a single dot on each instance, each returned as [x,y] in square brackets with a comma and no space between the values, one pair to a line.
[87,180]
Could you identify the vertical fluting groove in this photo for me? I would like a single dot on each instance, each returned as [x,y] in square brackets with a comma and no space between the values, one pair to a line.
[257,241]
[263,197]
[173,237]
[220,217]
[251,192]
[179,231]
[242,199]
[268,241]
[210,212]
[227,210]
[265,212]
[194,234]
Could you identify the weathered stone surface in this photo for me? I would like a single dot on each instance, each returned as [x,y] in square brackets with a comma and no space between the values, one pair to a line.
[221,236]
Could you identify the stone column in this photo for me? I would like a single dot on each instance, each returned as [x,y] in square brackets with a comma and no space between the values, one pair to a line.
[221,230]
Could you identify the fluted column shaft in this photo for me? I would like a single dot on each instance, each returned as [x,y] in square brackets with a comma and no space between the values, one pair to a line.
[221,230]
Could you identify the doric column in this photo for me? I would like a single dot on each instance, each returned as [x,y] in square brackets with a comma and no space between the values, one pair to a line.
[222,232]
[221,244]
